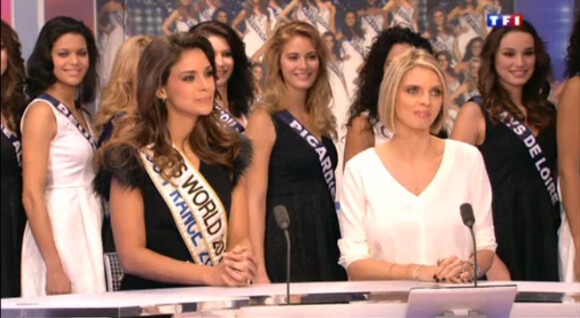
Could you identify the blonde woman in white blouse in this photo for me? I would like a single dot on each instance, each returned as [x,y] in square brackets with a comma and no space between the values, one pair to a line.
[400,202]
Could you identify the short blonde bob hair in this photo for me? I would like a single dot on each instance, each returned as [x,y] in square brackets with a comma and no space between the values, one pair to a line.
[392,80]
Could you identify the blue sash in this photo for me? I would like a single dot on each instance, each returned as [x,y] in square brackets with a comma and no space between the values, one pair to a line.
[68,114]
[534,150]
[229,119]
[317,146]
[371,21]
[15,142]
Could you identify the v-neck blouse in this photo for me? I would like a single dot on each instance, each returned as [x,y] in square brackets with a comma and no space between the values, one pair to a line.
[382,220]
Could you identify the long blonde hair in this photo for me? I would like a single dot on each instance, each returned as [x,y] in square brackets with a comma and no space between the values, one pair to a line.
[119,94]
[318,96]
[392,80]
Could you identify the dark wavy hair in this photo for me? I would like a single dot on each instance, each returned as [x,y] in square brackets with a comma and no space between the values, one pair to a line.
[336,48]
[449,57]
[356,30]
[13,101]
[262,7]
[219,10]
[541,113]
[371,74]
[469,48]
[573,56]
[40,65]
[240,84]
[212,141]
[447,28]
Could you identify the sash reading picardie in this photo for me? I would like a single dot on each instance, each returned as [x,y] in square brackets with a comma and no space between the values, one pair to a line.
[197,211]
[534,150]
[68,114]
[317,146]
[229,119]
[15,141]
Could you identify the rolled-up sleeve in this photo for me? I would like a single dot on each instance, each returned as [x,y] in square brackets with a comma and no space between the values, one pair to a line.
[481,199]
[353,244]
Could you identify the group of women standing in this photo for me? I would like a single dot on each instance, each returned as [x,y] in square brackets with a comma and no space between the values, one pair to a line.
[191,176]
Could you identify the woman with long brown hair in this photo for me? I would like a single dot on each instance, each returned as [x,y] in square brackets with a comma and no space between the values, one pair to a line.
[173,174]
[12,212]
[294,160]
[514,126]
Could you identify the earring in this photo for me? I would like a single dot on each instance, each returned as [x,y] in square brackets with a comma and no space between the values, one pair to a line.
[163,101]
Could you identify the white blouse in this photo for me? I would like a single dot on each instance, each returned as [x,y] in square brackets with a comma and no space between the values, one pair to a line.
[381,220]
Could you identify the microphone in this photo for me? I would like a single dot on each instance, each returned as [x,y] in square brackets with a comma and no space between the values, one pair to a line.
[469,219]
[283,221]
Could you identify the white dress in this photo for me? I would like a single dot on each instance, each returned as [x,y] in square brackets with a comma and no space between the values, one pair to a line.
[372,26]
[75,214]
[256,33]
[206,14]
[383,221]
[340,105]
[185,24]
[320,18]
[403,17]
[354,48]
[110,43]
[473,22]
[274,14]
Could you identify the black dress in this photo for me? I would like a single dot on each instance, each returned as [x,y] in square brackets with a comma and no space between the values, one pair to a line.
[526,223]
[13,219]
[162,234]
[295,180]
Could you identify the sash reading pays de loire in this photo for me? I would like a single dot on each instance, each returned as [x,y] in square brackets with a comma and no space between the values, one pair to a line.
[14,141]
[317,146]
[68,114]
[229,119]
[197,211]
[534,150]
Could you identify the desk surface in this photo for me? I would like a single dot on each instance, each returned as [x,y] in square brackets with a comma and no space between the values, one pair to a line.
[347,299]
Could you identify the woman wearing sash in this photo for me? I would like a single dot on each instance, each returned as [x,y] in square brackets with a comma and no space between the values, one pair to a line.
[183,17]
[234,78]
[404,14]
[258,25]
[221,15]
[444,58]
[440,34]
[569,162]
[174,176]
[62,250]
[113,25]
[207,8]
[472,50]
[12,212]
[514,126]
[470,23]
[118,97]
[294,161]
[364,129]
[373,20]
[259,74]
[397,218]
[318,13]
[353,44]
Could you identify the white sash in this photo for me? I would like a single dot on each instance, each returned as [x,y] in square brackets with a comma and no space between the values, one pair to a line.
[254,24]
[229,119]
[470,19]
[15,142]
[372,22]
[197,211]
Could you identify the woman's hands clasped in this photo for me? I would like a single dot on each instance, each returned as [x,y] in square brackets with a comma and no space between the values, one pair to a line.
[238,267]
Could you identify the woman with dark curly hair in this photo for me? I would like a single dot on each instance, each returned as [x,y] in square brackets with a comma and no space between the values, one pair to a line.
[440,33]
[568,135]
[234,77]
[171,167]
[364,129]
[12,212]
[61,250]
[514,126]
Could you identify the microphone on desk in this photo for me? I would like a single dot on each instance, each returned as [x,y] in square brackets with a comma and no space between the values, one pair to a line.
[469,219]
[283,221]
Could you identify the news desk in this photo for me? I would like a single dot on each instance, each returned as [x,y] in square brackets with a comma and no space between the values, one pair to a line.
[336,299]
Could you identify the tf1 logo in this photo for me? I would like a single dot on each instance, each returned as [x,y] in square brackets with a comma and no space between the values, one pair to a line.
[505,20]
